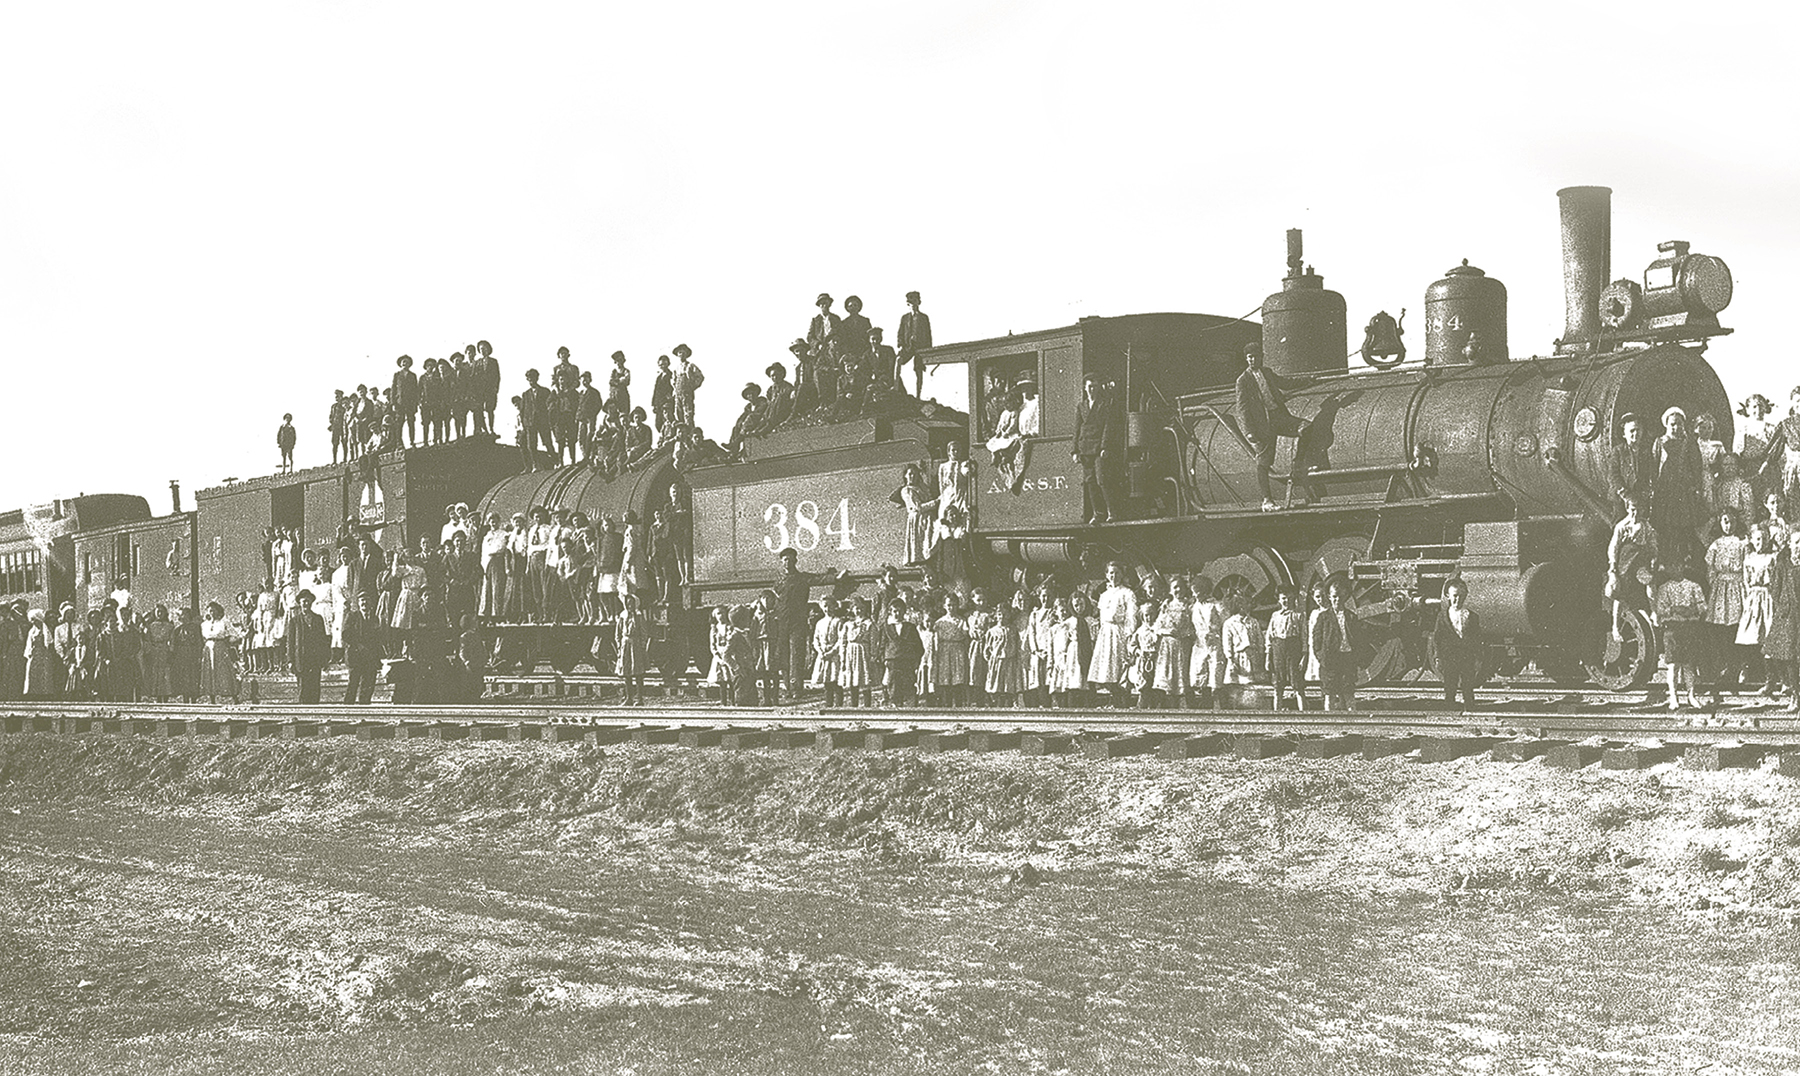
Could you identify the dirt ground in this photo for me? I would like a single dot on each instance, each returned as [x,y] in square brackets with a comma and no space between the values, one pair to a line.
[171,906]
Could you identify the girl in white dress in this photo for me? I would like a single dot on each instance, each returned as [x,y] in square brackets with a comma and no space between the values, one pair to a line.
[1068,677]
[1112,641]
[950,655]
[825,650]
[1725,599]
[853,673]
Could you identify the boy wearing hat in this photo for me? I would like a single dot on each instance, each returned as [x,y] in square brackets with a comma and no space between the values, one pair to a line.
[1263,416]
[534,419]
[662,398]
[618,389]
[336,423]
[823,328]
[780,397]
[914,337]
[404,394]
[749,422]
[853,332]
[565,383]
[284,440]
[587,411]
[686,381]
[486,371]
[885,364]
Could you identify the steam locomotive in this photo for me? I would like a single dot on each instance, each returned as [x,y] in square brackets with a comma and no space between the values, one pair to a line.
[1468,463]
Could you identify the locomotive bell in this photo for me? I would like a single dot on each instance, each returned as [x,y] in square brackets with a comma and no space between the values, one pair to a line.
[1466,304]
[1305,326]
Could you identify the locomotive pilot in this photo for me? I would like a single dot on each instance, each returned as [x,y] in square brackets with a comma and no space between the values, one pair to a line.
[1263,416]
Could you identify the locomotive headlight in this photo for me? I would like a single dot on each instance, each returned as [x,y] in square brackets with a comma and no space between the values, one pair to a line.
[1587,424]
[1683,283]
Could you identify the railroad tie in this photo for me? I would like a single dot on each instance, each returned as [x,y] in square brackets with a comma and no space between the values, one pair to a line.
[1718,756]
[1637,756]
[1524,750]
[1349,743]
[1180,747]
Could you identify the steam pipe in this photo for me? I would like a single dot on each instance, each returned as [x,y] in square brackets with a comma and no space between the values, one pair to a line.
[1587,258]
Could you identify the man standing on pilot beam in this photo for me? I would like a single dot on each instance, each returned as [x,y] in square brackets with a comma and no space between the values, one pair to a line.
[793,591]
[1263,416]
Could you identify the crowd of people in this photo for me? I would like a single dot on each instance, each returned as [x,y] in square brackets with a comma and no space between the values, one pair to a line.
[1133,640]
[117,653]
[842,367]
[449,398]
[1706,548]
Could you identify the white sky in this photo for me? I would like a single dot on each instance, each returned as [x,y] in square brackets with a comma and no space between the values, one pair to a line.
[211,214]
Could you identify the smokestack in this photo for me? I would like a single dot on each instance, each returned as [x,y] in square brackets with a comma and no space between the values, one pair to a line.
[1294,252]
[175,495]
[1587,258]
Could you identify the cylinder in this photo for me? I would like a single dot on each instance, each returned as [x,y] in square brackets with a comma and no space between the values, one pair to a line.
[1466,305]
[1305,330]
[1140,427]
[1587,258]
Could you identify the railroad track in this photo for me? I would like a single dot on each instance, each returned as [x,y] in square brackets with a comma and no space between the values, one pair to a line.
[1616,740]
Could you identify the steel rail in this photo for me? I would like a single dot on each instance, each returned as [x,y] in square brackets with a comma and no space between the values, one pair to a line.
[1775,728]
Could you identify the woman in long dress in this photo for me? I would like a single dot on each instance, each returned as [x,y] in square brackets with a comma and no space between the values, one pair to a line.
[921,530]
[1781,646]
[187,648]
[1174,639]
[218,655]
[1676,507]
[1118,622]
[1725,600]
[41,666]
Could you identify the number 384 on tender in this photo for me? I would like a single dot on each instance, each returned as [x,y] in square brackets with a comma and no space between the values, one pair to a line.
[800,528]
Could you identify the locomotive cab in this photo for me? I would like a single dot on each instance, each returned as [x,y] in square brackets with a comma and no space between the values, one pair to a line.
[1024,391]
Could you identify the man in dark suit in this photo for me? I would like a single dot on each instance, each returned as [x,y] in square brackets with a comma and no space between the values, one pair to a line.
[1457,640]
[487,384]
[1099,434]
[793,592]
[308,647]
[535,418]
[914,337]
[365,575]
[1263,416]
[404,395]
[1634,461]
